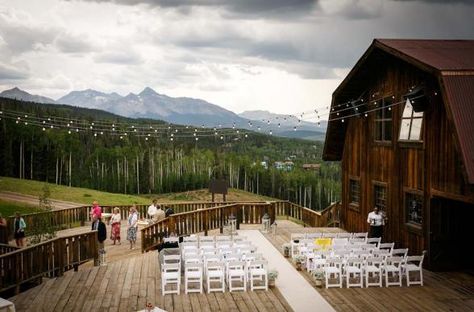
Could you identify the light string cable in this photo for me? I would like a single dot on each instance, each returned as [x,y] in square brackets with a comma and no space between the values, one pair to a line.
[50,123]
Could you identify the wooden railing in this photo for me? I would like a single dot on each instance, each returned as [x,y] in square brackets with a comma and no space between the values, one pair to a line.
[47,259]
[7,248]
[204,220]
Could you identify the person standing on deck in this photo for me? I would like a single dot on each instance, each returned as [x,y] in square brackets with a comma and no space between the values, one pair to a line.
[3,230]
[96,210]
[376,219]
[152,210]
[19,230]
[115,221]
[99,226]
[132,226]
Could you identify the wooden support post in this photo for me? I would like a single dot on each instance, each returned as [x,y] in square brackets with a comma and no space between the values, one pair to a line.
[206,222]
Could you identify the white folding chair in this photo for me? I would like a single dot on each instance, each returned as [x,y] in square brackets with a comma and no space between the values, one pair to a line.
[192,258]
[414,264]
[374,240]
[333,270]
[190,239]
[170,275]
[344,235]
[400,252]
[295,242]
[215,274]
[340,241]
[313,236]
[330,235]
[193,275]
[257,271]
[221,238]
[388,246]
[236,273]
[381,253]
[211,258]
[353,269]
[357,240]
[172,259]
[393,266]
[373,270]
[206,239]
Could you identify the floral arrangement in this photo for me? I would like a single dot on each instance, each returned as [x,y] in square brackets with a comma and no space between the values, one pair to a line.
[318,274]
[272,274]
[299,258]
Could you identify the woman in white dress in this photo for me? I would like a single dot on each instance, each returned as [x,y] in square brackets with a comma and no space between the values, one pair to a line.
[115,223]
[132,226]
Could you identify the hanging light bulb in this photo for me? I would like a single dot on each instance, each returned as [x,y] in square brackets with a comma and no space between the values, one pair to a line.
[294,128]
[146,139]
[222,138]
[69,132]
[343,120]
[44,129]
[197,139]
[171,139]
[246,135]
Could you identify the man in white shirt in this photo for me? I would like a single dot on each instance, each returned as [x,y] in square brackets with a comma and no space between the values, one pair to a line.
[152,210]
[376,219]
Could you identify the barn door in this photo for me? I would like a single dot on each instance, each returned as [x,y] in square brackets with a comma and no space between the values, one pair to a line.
[451,239]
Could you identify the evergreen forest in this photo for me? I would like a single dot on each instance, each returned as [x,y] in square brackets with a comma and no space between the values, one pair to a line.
[95,149]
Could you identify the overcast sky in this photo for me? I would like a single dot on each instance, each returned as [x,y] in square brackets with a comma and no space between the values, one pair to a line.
[286,56]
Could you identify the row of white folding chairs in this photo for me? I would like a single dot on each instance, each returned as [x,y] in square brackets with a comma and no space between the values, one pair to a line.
[309,238]
[219,251]
[215,238]
[374,268]
[215,272]
[350,247]
[218,244]
[356,253]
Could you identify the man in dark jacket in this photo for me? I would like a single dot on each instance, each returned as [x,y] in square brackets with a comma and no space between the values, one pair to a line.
[99,226]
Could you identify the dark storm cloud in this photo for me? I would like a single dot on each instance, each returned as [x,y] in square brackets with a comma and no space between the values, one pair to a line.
[246,7]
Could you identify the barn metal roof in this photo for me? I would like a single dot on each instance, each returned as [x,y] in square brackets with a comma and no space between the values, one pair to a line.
[451,61]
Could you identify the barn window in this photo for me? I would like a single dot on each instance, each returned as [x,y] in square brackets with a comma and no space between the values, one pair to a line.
[411,124]
[414,208]
[383,121]
[354,189]
[380,196]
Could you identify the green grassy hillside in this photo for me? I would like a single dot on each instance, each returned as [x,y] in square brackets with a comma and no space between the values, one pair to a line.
[72,194]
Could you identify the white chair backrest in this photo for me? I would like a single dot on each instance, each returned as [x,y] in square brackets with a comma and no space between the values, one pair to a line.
[297,236]
[236,265]
[397,261]
[171,259]
[334,262]
[360,235]
[313,236]
[340,241]
[354,261]
[212,258]
[233,257]
[344,235]
[375,261]
[187,252]
[381,253]
[402,252]
[207,239]
[374,240]
[330,235]
[193,267]
[357,240]
[258,264]
[416,260]
[192,259]
[388,246]
[189,245]
[206,244]
[170,267]
[215,266]
[239,238]
[225,238]
[188,239]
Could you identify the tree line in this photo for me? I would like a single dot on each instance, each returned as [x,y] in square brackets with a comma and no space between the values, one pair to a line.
[134,165]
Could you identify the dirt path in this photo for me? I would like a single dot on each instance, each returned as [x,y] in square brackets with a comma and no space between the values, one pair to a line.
[33,200]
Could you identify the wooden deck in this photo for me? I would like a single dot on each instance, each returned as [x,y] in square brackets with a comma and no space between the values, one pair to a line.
[131,279]
[443,291]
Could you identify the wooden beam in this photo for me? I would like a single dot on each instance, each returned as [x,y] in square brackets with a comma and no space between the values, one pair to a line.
[461,198]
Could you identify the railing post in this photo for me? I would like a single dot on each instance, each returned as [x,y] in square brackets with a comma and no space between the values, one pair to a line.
[206,222]
[61,253]
[83,215]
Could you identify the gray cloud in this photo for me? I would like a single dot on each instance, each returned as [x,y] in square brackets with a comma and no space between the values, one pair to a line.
[69,43]
[13,72]
[119,57]
[246,7]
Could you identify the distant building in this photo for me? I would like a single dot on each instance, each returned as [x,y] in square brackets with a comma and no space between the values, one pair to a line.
[406,144]
[284,165]
[314,167]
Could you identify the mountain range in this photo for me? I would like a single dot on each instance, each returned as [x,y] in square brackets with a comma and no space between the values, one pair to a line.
[179,110]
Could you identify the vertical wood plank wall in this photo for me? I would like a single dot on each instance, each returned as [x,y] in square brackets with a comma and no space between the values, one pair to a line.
[431,165]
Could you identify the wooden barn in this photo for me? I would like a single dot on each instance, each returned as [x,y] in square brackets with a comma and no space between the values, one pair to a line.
[402,123]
